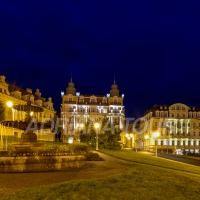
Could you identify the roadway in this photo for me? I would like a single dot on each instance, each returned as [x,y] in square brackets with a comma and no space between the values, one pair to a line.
[177,158]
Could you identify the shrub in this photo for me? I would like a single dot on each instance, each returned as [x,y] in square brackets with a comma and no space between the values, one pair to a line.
[78,148]
[58,146]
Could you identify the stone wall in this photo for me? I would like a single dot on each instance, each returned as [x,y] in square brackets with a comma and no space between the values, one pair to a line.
[41,163]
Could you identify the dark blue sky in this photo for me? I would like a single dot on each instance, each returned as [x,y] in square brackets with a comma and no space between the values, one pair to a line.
[153,48]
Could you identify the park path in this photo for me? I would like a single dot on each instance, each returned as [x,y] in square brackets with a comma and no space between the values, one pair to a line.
[12,182]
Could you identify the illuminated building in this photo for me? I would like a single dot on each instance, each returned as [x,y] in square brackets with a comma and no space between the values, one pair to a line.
[12,95]
[178,126]
[79,108]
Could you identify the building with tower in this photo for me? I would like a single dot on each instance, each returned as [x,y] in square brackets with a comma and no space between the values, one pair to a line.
[78,108]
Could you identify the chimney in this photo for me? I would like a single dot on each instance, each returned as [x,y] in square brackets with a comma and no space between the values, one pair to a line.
[50,99]
[3,78]
[38,93]
[29,90]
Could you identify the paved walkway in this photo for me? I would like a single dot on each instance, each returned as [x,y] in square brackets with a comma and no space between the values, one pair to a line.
[13,182]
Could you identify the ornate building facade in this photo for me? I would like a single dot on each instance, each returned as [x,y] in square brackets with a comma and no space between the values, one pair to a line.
[78,108]
[18,96]
[177,128]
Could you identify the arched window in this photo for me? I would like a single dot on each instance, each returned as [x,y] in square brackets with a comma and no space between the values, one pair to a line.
[70,99]
[81,100]
[115,101]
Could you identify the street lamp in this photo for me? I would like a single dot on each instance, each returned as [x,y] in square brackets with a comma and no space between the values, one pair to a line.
[10,105]
[129,136]
[155,136]
[97,127]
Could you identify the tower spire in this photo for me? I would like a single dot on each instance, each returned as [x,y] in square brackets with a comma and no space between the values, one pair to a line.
[71,77]
[114,79]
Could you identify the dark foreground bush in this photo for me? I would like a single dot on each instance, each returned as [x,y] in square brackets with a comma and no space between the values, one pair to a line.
[93,157]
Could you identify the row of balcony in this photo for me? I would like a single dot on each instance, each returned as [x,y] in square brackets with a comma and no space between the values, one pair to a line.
[94,112]
[92,103]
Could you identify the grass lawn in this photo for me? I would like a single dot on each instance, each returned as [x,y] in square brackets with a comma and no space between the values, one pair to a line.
[151,160]
[139,182]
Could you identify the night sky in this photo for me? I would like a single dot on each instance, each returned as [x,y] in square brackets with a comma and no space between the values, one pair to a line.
[152,47]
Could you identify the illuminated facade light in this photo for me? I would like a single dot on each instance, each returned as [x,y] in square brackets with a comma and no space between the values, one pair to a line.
[156,134]
[10,104]
[146,137]
[123,95]
[78,94]
[97,125]
[70,140]
[62,94]
[108,95]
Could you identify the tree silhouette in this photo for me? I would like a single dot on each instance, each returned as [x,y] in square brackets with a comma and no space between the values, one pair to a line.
[108,136]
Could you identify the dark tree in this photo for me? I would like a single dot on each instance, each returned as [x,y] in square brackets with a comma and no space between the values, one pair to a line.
[108,136]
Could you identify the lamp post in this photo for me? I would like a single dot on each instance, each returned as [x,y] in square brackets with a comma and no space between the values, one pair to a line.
[129,137]
[97,127]
[10,105]
[155,136]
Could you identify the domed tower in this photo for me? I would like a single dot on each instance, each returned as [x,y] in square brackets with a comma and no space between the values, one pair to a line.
[114,90]
[71,89]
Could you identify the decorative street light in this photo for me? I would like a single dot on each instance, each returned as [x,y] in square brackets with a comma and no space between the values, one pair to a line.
[155,136]
[10,105]
[97,127]
[129,137]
